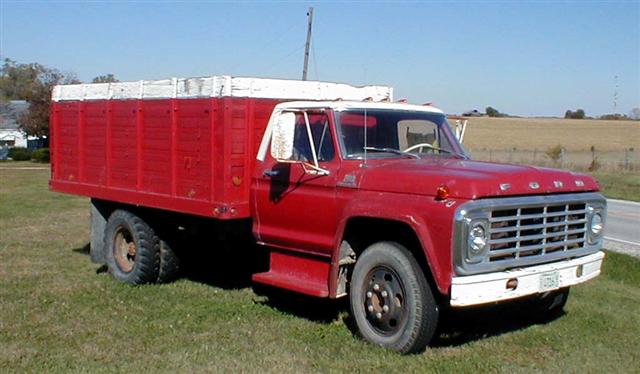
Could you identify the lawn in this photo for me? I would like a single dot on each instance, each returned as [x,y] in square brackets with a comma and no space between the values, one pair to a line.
[60,312]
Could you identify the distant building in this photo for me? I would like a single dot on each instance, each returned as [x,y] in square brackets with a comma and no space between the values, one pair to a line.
[472,113]
[10,133]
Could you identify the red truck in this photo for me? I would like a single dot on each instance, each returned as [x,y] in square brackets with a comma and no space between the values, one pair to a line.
[351,194]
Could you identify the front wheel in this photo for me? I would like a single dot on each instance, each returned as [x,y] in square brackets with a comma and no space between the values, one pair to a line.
[391,301]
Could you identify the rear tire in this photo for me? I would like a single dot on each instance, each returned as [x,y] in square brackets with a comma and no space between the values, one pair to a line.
[132,249]
[391,301]
[169,263]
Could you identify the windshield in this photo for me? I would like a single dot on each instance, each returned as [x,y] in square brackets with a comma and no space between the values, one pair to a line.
[384,133]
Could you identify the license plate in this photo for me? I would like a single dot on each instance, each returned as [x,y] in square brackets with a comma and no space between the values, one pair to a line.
[549,281]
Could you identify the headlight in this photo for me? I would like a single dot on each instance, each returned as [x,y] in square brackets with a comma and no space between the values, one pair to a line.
[597,224]
[477,239]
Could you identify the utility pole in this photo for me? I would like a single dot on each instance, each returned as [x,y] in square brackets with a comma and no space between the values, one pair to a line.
[307,44]
[615,94]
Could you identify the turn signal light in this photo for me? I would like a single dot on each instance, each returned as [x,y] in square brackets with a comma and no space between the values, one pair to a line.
[442,192]
[512,284]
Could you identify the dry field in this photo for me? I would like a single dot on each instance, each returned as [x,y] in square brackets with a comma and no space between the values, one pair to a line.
[542,133]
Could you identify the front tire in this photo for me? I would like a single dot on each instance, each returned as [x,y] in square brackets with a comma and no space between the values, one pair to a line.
[391,301]
[132,249]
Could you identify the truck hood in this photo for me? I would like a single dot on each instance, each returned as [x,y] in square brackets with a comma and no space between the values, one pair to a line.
[468,179]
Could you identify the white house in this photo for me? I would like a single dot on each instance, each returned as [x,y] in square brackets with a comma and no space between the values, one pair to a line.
[10,133]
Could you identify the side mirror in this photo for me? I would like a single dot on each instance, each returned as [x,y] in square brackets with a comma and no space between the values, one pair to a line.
[282,137]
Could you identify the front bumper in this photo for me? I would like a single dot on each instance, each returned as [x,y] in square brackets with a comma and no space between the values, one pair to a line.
[492,287]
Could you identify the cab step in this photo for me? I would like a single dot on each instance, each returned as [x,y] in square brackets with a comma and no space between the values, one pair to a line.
[297,272]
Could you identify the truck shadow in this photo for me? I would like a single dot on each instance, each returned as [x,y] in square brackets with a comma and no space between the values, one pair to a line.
[310,308]
[225,269]
[458,327]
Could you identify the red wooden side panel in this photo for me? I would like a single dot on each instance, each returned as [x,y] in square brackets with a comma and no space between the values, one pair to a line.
[95,143]
[156,146]
[122,134]
[67,141]
[188,155]
[239,114]
[193,142]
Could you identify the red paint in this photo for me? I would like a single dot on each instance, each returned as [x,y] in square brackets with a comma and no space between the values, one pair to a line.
[197,156]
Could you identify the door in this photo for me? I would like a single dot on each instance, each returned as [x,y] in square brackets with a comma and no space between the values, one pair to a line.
[292,208]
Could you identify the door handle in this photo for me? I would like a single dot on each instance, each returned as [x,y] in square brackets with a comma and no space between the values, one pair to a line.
[271,173]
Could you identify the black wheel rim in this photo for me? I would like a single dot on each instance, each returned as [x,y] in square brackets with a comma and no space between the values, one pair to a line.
[384,300]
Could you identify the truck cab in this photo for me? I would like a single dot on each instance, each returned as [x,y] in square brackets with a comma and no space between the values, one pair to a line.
[379,201]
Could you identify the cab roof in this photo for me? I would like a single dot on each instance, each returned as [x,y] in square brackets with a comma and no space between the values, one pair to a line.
[346,105]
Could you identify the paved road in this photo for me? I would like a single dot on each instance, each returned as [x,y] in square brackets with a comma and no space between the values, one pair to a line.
[622,233]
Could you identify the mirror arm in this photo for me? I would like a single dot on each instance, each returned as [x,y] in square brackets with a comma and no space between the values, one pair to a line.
[311,144]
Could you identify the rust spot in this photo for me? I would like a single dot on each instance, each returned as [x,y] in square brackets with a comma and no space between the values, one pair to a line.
[191,193]
[236,180]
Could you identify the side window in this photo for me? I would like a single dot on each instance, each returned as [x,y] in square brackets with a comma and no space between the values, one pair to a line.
[322,140]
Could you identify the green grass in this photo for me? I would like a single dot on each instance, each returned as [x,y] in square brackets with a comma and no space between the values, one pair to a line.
[58,313]
[625,186]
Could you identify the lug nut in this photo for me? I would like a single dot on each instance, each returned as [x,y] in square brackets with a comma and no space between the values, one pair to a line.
[385,308]
[384,293]
[378,315]
[369,294]
[370,308]
[376,287]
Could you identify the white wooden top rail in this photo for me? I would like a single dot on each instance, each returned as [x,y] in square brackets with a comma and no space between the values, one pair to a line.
[220,86]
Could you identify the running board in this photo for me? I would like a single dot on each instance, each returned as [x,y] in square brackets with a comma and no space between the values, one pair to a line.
[299,273]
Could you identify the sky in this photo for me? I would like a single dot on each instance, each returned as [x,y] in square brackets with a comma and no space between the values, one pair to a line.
[531,58]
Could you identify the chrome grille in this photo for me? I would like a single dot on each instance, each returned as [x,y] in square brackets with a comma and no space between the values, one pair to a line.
[536,230]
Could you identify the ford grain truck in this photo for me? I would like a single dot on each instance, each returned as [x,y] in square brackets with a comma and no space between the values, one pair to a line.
[351,194]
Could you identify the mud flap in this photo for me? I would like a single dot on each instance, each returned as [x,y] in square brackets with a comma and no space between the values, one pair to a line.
[99,216]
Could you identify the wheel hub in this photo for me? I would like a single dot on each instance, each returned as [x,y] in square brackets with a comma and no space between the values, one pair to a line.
[124,249]
[384,300]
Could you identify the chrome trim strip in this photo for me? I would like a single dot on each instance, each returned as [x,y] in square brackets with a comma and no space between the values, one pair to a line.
[534,216]
[540,226]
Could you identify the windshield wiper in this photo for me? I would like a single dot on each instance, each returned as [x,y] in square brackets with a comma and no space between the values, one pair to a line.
[391,150]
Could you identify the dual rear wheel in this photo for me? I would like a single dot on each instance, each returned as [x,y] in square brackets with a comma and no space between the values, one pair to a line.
[134,252]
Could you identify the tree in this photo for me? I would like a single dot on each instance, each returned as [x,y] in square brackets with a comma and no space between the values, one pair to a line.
[492,112]
[32,82]
[16,80]
[635,114]
[109,78]
[578,114]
